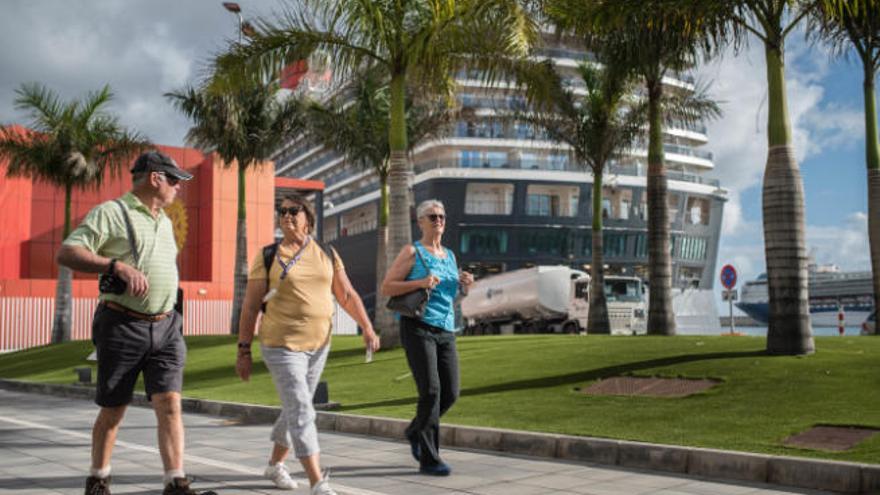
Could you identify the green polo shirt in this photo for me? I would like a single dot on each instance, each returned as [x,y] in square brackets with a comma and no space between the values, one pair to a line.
[103,232]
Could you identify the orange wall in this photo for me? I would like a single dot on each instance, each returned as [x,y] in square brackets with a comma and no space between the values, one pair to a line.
[32,219]
[15,218]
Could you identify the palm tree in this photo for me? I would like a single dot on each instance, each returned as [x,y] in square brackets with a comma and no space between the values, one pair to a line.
[789,329]
[599,127]
[654,38]
[71,145]
[855,26]
[244,126]
[356,124]
[421,42]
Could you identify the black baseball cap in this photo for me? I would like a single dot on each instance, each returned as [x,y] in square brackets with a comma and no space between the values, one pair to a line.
[154,161]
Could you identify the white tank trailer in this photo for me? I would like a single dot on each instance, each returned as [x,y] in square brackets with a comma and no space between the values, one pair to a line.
[550,299]
[541,299]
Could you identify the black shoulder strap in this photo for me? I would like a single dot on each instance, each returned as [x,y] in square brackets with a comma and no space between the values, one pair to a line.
[132,244]
[269,251]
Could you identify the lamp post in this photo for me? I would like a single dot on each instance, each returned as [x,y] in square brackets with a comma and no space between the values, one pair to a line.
[235,9]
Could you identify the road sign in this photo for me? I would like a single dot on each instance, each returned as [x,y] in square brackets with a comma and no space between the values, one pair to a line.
[728,276]
[729,295]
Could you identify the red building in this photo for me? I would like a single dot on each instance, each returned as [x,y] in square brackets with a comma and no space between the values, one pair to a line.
[32,223]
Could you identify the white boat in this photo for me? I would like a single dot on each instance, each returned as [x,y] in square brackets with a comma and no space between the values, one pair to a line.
[830,289]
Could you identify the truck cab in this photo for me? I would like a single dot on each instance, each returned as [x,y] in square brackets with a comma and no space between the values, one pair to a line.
[625,297]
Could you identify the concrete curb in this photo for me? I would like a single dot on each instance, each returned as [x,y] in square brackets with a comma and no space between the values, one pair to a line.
[842,477]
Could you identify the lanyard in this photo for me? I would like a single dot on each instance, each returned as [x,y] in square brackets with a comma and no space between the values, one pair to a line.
[285,267]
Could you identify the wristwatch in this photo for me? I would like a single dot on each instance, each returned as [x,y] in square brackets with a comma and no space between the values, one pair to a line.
[244,345]
[112,267]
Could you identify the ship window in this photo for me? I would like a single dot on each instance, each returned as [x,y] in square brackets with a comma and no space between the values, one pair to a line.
[488,199]
[483,241]
[614,245]
[529,161]
[557,162]
[359,220]
[697,211]
[543,241]
[469,158]
[552,201]
[495,159]
[641,246]
[616,203]
[673,200]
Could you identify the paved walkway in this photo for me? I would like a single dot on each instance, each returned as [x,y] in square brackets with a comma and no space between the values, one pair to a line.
[44,449]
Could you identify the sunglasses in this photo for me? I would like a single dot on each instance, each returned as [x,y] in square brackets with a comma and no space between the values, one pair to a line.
[172,181]
[292,211]
[435,217]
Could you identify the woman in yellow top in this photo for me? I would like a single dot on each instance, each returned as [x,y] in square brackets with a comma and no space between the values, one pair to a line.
[295,334]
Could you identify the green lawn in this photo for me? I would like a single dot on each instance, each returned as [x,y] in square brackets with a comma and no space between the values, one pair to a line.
[530,382]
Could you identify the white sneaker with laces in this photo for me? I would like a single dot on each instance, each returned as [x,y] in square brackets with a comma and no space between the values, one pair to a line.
[323,486]
[280,476]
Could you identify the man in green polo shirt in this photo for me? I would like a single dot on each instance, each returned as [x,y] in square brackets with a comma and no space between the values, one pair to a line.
[136,331]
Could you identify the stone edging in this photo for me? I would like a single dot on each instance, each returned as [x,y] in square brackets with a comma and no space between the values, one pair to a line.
[844,477]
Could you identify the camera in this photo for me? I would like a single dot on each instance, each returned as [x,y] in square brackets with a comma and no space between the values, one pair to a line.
[111,284]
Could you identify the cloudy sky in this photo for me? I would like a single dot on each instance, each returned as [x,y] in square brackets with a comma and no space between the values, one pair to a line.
[143,49]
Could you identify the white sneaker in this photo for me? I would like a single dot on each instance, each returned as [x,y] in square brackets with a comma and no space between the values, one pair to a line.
[323,486]
[279,475]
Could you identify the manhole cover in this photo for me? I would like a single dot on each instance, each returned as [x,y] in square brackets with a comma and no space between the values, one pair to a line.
[836,438]
[651,387]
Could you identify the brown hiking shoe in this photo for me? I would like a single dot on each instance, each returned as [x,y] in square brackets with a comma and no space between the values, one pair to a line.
[97,486]
[180,486]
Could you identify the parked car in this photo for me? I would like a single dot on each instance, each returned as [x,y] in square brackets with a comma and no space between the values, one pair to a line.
[869,326]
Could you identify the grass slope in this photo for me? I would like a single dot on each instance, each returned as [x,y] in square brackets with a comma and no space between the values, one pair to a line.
[529,383]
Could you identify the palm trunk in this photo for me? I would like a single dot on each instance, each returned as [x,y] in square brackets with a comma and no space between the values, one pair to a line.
[661,319]
[399,179]
[241,269]
[383,319]
[598,316]
[64,288]
[789,330]
[872,159]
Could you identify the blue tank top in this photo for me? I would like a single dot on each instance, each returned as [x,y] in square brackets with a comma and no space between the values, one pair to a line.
[439,311]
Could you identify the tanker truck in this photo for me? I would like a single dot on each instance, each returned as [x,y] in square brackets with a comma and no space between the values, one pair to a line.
[549,299]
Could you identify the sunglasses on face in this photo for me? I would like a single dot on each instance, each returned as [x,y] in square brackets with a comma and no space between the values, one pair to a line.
[292,211]
[434,217]
[172,181]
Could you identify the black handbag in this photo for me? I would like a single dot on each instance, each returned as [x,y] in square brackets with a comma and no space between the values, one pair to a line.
[110,283]
[411,304]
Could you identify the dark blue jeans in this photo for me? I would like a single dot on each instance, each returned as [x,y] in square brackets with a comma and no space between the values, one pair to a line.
[433,360]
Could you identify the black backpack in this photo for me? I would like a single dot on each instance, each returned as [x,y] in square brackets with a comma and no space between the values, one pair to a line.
[270,250]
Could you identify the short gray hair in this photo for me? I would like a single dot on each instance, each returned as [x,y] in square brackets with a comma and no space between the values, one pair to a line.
[138,178]
[426,205]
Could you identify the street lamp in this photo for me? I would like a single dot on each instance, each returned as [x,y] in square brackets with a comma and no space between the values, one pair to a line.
[235,9]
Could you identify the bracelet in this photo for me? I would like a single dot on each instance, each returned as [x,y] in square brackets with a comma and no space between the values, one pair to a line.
[111,269]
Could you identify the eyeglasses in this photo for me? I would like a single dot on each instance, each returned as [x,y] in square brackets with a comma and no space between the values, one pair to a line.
[436,217]
[172,181]
[293,211]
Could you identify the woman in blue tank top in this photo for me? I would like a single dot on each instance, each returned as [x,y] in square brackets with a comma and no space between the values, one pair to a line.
[429,341]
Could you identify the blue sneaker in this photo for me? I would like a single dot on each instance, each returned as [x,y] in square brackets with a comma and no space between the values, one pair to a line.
[441,469]
[415,449]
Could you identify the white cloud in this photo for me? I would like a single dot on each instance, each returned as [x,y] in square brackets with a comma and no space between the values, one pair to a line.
[845,245]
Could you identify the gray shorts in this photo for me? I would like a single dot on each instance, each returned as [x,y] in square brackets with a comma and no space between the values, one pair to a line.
[128,346]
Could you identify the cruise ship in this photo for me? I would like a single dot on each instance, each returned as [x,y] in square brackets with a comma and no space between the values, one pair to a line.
[516,199]
[830,290]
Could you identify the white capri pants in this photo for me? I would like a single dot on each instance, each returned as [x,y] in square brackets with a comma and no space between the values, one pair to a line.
[296,375]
